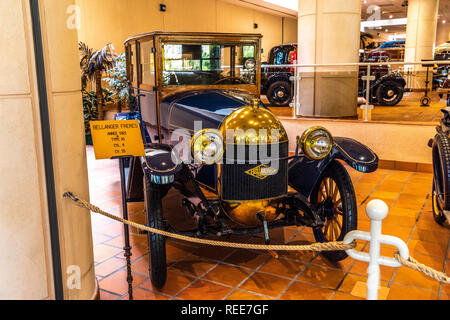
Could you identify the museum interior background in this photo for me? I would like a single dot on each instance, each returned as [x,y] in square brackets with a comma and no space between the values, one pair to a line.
[40,92]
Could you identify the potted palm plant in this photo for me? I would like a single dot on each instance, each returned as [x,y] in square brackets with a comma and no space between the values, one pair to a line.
[93,65]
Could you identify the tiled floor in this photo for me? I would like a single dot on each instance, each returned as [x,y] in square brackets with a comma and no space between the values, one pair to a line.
[200,272]
[408,110]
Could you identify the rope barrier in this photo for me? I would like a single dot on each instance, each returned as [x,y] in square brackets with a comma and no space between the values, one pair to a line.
[415,265]
[316,247]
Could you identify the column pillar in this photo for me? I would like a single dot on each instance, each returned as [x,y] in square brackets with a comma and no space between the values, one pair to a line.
[443,33]
[328,33]
[26,262]
[421,36]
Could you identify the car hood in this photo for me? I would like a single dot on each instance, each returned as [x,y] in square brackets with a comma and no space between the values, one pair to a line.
[206,107]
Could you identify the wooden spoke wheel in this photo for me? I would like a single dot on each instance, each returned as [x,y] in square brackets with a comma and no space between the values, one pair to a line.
[335,198]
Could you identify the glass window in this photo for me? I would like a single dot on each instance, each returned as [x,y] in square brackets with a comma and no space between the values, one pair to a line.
[147,63]
[207,64]
[132,63]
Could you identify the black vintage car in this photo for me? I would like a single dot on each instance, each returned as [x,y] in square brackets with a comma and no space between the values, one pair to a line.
[387,89]
[217,160]
[275,81]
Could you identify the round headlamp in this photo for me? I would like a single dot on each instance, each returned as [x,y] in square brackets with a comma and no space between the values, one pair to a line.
[207,146]
[250,64]
[317,143]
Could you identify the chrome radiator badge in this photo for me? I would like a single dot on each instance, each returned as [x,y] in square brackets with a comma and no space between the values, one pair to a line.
[262,172]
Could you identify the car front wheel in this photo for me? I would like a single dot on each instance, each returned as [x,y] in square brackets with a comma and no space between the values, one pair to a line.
[336,201]
[156,243]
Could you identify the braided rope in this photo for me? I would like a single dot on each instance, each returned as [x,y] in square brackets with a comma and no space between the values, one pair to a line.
[316,247]
[416,265]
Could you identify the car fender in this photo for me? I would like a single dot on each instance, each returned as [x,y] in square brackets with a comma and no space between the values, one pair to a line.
[304,173]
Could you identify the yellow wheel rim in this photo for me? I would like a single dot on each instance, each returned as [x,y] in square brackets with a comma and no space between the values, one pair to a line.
[332,228]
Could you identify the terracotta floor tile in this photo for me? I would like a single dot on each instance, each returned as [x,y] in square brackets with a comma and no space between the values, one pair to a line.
[176,252]
[175,283]
[247,259]
[431,235]
[108,296]
[282,267]
[204,290]
[402,292]
[145,295]
[103,252]
[360,268]
[266,284]
[303,291]
[381,194]
[389,202]
[302,256]
[343,265]
[322,276]
[134,240]
[429,224]
[242,295]
[427,248]
[227,274]
[117,282]
[352,279]
[99,238]
[109,266]
[112,230]
[195,267]
[405,221]
[211,252]
[414,278]
[345,296]
[141,266]
[445,296]
[398,231]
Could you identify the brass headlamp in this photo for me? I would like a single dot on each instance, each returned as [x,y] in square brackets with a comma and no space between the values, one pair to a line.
[316,143]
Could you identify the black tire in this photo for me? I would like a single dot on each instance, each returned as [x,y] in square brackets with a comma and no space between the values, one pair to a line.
[389,93]
[345,209]
[425,101]
[156,243]
[441,177]
[279,93]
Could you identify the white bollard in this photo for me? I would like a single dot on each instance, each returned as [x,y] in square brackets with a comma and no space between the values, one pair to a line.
[377,211]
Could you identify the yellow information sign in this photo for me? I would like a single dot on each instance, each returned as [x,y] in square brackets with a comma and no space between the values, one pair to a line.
[117,138]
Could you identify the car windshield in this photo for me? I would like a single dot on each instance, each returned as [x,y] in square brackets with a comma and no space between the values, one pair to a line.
[208,64]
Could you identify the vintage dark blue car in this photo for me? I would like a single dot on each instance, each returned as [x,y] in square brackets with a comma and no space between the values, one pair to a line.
[217,160]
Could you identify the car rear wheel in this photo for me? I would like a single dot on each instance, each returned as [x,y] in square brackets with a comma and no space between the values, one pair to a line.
[335,197]
[279,93]
[156,243]
[389,93]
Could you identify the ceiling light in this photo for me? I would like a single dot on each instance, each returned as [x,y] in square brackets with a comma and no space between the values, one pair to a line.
[391,16]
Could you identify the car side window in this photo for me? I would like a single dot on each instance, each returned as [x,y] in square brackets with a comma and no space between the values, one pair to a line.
[132,63]
[147,63]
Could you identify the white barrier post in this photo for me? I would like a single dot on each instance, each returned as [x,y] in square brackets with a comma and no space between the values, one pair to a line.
[377,211]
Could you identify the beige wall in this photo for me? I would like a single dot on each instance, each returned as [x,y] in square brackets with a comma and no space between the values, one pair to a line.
[25,262]
[389,141]
[113,21]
